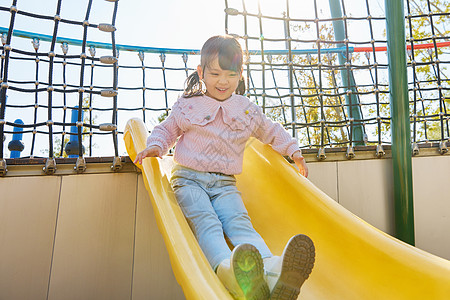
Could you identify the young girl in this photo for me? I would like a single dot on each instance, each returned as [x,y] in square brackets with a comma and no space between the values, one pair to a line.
[213,122]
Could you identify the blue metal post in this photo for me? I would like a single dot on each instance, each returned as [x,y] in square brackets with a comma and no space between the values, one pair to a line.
[72,146]
[15,145]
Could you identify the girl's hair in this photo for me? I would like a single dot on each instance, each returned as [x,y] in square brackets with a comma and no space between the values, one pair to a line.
[229,52]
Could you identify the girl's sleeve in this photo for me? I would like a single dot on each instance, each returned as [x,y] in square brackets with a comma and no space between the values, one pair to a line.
[165,134]
[274,134]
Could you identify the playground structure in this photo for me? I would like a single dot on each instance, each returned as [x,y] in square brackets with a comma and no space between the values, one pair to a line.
[274,82]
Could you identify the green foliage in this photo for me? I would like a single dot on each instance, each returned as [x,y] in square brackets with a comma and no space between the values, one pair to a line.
[162,117]
[429,101]
[310,83]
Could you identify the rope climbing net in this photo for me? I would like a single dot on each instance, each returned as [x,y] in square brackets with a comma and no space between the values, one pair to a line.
[329,85]
[318,67]
[16,59]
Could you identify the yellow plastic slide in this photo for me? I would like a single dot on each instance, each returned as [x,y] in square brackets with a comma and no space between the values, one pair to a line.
[354,260]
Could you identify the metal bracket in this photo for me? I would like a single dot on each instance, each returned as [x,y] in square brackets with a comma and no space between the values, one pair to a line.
[3,169]
[380,151]
[50,166]
[415,149]
[350,152]
[80,166]
[117,164]
[321,154]
[443,147]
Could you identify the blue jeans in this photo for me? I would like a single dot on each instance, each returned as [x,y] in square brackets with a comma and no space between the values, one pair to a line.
[213,207]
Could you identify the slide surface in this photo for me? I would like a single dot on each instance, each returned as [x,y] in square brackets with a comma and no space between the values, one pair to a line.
[354,260]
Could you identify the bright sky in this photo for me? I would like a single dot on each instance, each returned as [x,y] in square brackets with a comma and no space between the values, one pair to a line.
[168,23]
[188,23]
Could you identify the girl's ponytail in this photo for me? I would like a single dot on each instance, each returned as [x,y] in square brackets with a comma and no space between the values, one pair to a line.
[194,86]
[240,90]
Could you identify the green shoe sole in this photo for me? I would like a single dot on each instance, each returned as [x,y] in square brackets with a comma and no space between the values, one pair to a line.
[248,269]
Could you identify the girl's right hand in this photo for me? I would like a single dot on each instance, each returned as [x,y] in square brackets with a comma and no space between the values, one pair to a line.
[300,162]
[151,151]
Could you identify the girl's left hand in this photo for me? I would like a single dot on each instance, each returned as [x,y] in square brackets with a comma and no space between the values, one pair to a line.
[300,162]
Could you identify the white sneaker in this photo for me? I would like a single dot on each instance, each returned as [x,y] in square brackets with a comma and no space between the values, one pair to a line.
[243,274]
[286,274]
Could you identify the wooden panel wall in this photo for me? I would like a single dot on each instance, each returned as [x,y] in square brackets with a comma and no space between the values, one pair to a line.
[431,180]
[94,242]
[153,277]
[90,236]
[28,210]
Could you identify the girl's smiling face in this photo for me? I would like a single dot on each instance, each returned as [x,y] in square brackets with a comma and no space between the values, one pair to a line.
[220,84]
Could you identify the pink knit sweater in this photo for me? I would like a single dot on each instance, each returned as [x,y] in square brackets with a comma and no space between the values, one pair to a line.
[213,134]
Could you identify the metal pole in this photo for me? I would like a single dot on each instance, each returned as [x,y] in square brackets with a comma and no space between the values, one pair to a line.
[16,145]
[347,76]
[400,127]
[72,147]
[287,34]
